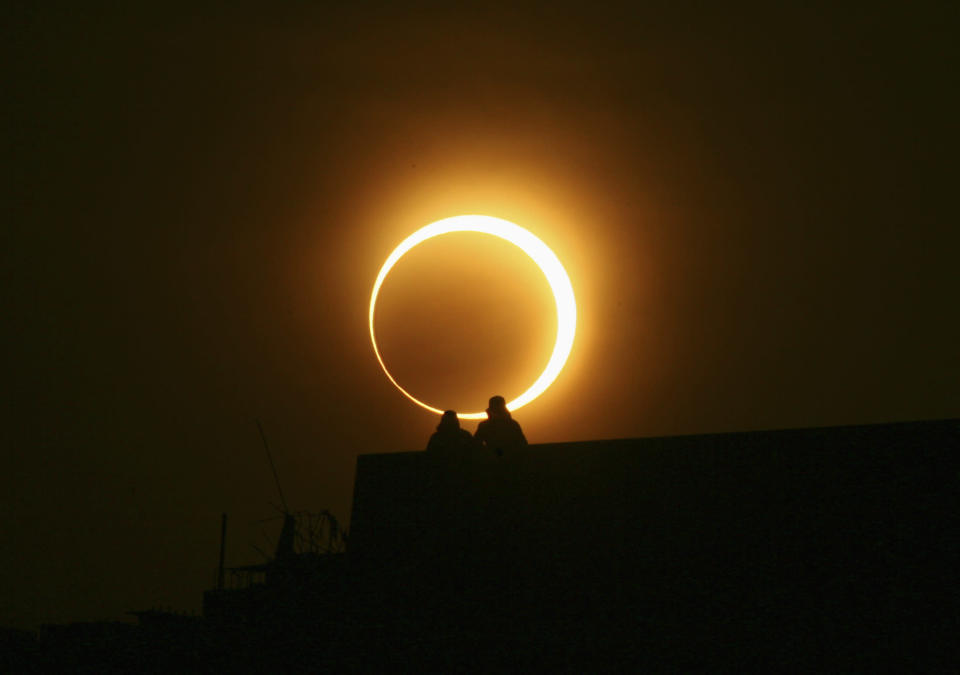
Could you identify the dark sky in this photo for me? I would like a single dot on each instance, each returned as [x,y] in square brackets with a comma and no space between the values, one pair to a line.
[757,209]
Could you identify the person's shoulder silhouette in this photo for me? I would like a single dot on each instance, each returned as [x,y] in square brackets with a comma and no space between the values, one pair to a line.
[500,432]
[449,437]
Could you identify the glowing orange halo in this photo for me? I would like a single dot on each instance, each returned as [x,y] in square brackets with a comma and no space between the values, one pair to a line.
[545,259]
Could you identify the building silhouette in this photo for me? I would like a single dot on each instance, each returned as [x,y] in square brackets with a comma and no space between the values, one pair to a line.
[830,548]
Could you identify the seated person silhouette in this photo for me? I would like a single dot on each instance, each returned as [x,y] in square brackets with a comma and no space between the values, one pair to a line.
[449,437]
[500,432]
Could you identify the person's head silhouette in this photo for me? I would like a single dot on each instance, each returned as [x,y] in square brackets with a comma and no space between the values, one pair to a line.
[448,421]
[497,407]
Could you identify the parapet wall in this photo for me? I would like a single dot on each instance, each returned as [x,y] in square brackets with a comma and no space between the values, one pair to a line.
[751,534]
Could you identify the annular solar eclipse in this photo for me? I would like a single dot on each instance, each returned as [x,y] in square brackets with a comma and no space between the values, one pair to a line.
[545,259]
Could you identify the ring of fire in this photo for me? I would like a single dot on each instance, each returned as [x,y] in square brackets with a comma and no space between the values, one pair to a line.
[545,259]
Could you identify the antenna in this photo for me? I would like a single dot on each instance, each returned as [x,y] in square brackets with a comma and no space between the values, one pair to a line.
[223,545]
[266,446]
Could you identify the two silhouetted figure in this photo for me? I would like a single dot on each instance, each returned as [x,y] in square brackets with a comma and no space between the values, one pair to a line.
[499,432]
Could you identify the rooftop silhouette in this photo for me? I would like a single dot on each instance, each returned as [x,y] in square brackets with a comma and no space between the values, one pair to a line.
[769,549]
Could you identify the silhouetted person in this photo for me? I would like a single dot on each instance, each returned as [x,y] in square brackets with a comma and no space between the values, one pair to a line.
[500,432]
[449,437]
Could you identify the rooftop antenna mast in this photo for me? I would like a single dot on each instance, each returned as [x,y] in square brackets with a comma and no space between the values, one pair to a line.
[266,446]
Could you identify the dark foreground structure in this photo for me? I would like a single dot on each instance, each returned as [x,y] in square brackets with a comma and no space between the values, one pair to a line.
[819,549]
[830,549]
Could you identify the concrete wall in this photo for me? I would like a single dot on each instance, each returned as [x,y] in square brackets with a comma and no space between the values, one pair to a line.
[766,545]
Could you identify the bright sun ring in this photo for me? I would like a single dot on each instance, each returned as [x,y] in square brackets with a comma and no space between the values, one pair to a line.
[545,259]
